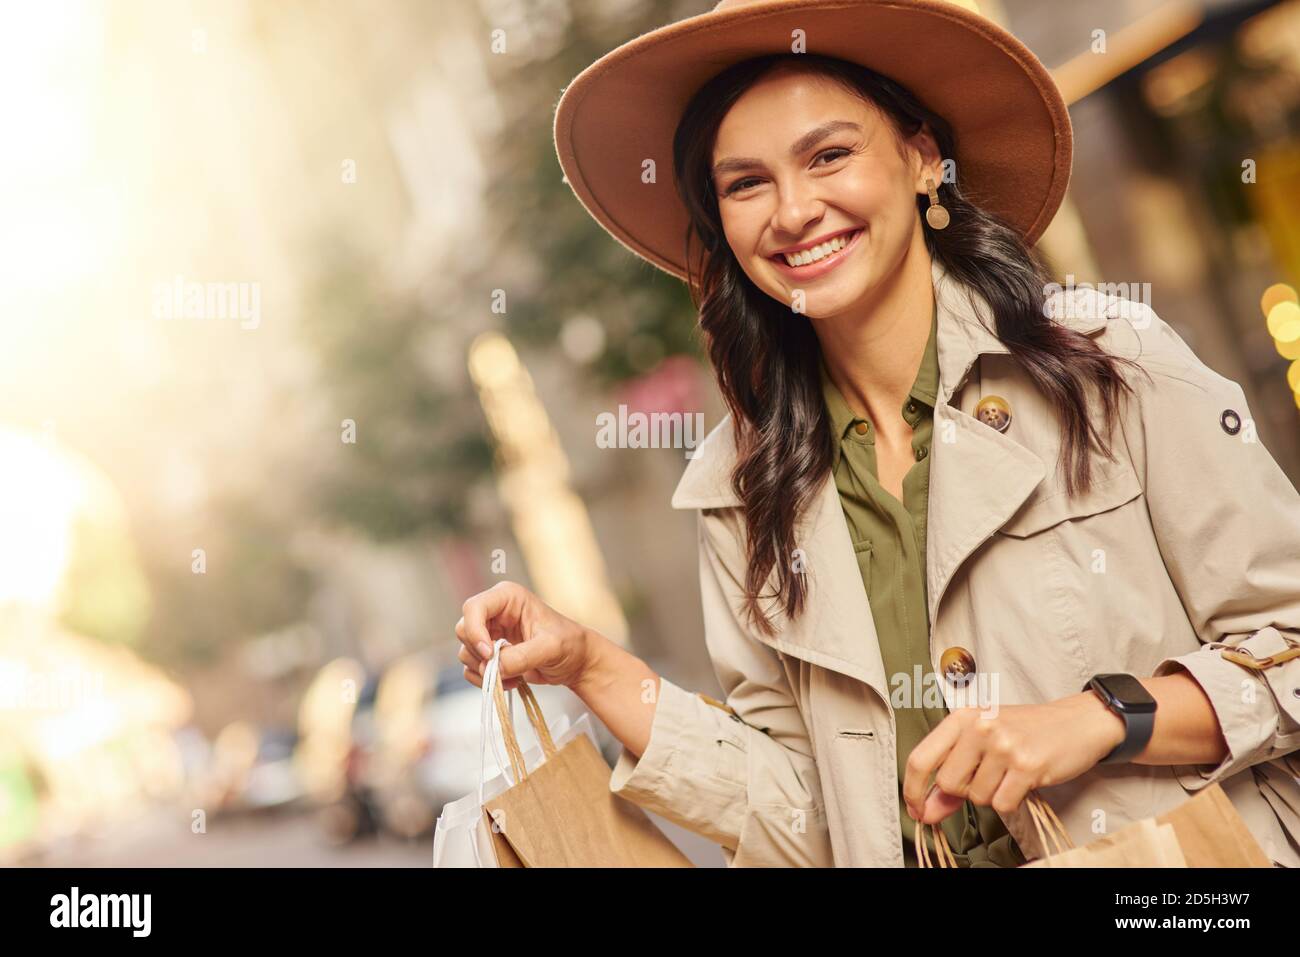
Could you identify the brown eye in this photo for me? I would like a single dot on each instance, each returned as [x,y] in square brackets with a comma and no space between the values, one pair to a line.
[737,185]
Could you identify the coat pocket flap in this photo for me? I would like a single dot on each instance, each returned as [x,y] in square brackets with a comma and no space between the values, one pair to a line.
[1041,513]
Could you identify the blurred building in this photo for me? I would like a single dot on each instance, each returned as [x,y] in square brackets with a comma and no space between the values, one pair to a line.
[1187,161]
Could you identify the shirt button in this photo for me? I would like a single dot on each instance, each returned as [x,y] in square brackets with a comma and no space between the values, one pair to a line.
[920,453]
[957,665]
[994,411]
[861,428]
[911,407]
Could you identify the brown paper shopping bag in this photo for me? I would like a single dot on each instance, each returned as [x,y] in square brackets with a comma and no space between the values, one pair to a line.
[562,813]
[1203,831]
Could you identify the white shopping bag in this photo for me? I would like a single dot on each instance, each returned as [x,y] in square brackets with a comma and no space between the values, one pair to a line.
[461,837]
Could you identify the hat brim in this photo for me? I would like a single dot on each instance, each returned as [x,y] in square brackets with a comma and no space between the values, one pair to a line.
[1010,123]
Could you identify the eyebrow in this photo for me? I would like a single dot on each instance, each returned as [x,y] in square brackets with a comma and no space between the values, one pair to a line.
[801,145]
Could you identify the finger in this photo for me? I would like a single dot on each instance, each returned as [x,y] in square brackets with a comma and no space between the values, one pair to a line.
[987,779]
[962,762]
[477,648]
[498,605]
[475,678]
[472,661]
[1013,790]
[925,758]
[938,805]
[541,650]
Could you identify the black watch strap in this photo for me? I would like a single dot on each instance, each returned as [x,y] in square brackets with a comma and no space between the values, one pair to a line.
[1138,727]
[1137,732]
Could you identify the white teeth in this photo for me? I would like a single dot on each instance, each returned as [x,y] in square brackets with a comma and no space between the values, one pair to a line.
[806,256]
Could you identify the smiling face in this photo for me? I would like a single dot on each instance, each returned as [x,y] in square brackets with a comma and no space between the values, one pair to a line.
[802,166]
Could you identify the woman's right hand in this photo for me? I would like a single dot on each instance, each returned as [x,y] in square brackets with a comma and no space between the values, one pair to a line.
[545,647]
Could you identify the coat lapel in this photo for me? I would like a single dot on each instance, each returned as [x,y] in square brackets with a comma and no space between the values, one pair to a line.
[836,630]
[979,478]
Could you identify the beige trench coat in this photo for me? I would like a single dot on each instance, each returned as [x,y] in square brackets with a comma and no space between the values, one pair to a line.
[1189,543]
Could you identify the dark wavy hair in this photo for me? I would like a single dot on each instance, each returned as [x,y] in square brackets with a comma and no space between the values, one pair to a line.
[765,356]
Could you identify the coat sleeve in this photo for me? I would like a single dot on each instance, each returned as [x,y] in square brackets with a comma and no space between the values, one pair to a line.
[1227,522]
[741,773]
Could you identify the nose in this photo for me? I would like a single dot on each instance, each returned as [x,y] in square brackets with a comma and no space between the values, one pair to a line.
[797,206]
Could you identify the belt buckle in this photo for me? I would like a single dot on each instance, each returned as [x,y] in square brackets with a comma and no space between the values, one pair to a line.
[1244,658]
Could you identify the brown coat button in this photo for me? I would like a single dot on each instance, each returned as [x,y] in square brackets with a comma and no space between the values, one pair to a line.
[957,665]
[994,411]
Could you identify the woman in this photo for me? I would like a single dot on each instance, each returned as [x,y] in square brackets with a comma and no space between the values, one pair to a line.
[961,536]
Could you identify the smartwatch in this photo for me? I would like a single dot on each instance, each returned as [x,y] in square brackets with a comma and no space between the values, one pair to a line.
[1126,697]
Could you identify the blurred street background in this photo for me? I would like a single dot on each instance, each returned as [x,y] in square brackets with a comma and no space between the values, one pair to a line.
[303,343]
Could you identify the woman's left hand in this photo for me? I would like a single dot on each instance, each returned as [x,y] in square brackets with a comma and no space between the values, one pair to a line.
[996,757]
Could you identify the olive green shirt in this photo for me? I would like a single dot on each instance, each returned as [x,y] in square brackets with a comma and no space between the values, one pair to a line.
[889,541]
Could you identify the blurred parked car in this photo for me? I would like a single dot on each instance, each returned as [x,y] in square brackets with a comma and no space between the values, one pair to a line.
[252,769]
[407,745]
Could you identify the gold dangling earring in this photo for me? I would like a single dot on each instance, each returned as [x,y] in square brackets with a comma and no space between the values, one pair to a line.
[937,215]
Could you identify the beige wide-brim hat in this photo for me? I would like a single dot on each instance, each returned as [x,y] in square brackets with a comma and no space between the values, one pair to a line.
[1010,123]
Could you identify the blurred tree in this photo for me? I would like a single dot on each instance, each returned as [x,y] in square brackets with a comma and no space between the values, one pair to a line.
[646,314]
[420,444]
[249,582]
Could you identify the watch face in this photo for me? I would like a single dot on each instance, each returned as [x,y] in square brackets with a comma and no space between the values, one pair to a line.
[1127,693]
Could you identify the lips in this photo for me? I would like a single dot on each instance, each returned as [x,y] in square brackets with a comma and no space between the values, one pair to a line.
[820,267]
[821,240]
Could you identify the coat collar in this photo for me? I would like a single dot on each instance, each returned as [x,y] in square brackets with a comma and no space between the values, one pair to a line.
[979,478]
[964,325]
